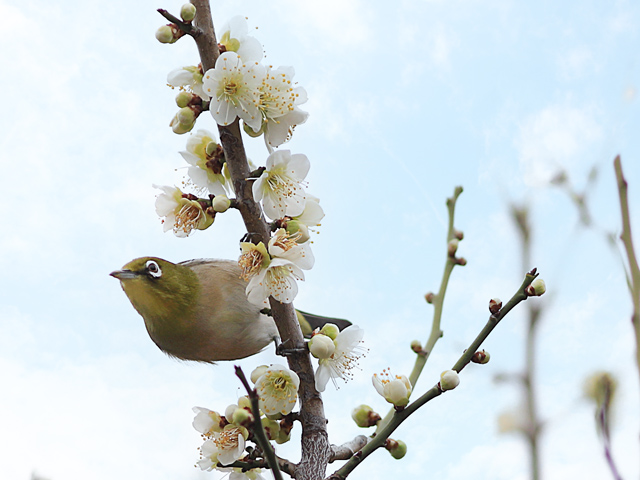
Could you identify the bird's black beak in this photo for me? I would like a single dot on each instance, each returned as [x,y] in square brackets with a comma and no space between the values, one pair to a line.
[124,274]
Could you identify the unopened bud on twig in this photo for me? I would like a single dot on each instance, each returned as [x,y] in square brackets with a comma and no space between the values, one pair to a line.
[458,234]
[164,34]
[364,416]
[495,304]
[536,288]
[220,203]
[397,448]
[480,357]
[416,346]
[188,12]
[449,380]
[429,297]
[461,261]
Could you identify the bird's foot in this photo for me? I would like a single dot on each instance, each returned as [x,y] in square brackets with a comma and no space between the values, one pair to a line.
[283,350]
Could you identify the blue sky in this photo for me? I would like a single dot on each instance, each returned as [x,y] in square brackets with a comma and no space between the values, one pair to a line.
[406,101]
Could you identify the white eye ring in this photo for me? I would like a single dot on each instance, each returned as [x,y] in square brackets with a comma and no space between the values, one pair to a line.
[153,269]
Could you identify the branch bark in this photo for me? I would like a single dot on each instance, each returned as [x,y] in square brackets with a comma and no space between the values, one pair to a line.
[315,442]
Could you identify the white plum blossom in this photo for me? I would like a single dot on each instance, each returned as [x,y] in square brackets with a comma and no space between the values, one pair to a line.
[278,390]
[345,357]
[233,85]
[223,447]
[395,389]
[278,279]
[206,421]
[310,217]
[206,160]
[234,37]
[181,214]
[279,101]
[253,474]
[280,185]
[285,245]
[189,78]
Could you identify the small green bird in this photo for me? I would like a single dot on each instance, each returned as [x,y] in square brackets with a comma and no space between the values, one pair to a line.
[198,309]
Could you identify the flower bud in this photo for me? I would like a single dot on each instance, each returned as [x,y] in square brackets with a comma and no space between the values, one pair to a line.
[271,428]
[283,437]
[258,372]
[452,246]
[229,411]
[449,380]
[536,288]
[177,126]
[242,417]
[183,98]
[458,234]
[495,304]
[600,387]
[481,357]
[364,416]
[461,261]
[429,296]
[244,402]
[397,448]
[416,346]
[186,116]
[295,226]
[188,12]
[220,203]
[164,34]
[395,389]
[321,346]
[330,330]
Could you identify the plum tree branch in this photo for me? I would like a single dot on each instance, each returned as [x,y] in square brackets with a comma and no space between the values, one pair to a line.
[399,416]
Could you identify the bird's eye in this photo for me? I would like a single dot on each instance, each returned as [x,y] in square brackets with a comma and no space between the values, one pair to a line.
[153,269]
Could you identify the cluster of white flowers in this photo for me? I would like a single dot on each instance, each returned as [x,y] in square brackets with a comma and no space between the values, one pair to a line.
[225,435]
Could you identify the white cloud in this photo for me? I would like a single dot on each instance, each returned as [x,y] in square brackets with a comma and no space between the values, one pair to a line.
[556,137]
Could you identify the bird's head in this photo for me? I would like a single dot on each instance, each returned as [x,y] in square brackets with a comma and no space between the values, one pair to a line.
[159,290]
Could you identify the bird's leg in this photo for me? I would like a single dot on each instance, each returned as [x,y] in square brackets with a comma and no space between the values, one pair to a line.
[251,238]
[284,351]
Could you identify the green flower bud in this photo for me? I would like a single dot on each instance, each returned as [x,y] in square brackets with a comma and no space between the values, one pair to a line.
[221,203]
[364,416]
[186,116]
[271,428]
[283,437]
[164,34]
[330,330]
[211,148]
[600,387]
[536,288]
[449,380]
[229,411]
[244,402]
[397,448]
[242,416]
[294,226]
[183,98]
[321,346]
[188,12]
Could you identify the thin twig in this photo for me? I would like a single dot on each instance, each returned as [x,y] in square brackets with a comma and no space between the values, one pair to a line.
[438,303]
[633,279]
[258,431]
[400,416]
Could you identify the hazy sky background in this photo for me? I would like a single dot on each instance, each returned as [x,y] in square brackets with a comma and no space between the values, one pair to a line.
[407,100]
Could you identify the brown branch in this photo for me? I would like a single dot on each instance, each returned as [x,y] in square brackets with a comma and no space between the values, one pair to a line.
[315,442]
[348,449]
